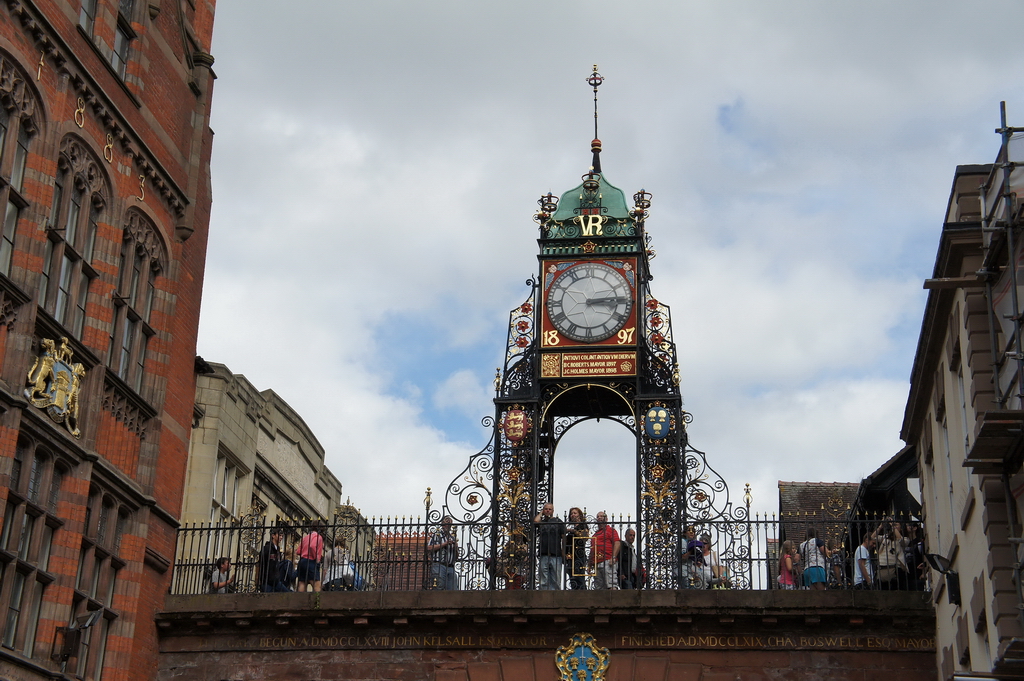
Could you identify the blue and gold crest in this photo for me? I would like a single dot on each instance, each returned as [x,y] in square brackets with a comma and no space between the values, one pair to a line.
[657,422]
[54,384]
[582,660]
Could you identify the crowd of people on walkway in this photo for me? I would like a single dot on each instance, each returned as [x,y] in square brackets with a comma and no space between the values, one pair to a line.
[568,555]
[307,566]
[891,557]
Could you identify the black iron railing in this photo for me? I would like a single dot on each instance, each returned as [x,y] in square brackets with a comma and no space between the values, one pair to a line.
[413,555]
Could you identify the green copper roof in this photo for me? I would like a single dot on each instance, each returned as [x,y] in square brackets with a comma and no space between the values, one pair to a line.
[613,201]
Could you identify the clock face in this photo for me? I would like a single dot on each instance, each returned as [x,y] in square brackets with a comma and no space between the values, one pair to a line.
[589,302]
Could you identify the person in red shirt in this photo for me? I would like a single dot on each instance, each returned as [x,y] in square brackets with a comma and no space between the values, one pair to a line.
[604,554]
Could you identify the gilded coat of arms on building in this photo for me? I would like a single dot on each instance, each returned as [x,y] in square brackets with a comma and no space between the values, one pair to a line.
[657,422]
[54,384]
[516,424]
[582,660]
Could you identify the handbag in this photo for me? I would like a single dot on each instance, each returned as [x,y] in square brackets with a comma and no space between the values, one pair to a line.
[890,560]
[886,574]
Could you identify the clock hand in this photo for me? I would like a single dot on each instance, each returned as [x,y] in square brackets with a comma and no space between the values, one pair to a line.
[609,300]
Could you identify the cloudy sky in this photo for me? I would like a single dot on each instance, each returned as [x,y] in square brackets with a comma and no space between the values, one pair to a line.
[377,165]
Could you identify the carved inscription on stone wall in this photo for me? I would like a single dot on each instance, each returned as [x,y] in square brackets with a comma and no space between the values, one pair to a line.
[637,641]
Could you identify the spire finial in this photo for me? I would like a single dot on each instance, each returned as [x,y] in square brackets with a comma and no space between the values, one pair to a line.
[595,81]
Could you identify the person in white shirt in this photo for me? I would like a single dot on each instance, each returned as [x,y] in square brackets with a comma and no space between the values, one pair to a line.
[863,573]
[714,573]
[815,558]
[629,576]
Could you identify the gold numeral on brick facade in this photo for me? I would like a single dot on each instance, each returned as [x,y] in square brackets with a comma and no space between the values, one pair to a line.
[108,149]
[42,63]
[142,188]
[80,113]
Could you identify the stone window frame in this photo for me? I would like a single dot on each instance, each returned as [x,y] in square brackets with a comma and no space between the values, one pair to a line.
[119,53]
[228,480]
[124,36]
[87,16]
[143,260]
[27,533]
[19,133]
[79,204]
[107,520]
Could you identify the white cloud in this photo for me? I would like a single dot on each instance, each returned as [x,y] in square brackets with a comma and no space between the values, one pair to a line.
[463,391]
[376,168]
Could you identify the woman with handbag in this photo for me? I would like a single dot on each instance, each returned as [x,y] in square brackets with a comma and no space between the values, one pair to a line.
[576,539]
[892,566]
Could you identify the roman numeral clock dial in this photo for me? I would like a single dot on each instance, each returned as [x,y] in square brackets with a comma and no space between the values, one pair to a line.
[589,302]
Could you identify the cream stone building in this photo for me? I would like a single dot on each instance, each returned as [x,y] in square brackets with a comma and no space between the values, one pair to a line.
[251,452]
[964,420]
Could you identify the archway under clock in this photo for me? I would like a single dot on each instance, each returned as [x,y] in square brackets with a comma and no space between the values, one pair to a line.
[595,468]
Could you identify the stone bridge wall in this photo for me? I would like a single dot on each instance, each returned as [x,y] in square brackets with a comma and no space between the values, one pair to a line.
[514,635]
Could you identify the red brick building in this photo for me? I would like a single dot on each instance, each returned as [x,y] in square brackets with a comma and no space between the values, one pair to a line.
[105,192]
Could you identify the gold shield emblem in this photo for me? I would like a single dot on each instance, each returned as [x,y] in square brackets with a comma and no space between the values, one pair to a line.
[54,384]
[582,660]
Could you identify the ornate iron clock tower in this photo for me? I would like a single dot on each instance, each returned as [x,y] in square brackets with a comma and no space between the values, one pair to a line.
[590,341]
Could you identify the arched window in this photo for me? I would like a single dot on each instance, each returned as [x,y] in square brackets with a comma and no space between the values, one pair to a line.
[142,259]
[40,466]
[103,525]
[18,130]
[119,529]
[22,452]
[56,483]
[79,199]
[99,563]
[27,537]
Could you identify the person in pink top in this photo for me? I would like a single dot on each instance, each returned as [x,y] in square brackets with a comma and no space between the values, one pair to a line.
[311,551]
[788,561]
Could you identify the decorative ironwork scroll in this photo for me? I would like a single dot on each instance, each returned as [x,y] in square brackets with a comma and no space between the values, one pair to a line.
[575,229]
[709,509]
[250,538]
[521,349]
[661,478]
[660,368]
[469,496]
[514,502]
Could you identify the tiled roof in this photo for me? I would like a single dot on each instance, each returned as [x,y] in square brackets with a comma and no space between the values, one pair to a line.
[823,505]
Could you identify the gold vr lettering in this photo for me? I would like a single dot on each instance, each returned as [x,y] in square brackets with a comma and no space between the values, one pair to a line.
[591,224]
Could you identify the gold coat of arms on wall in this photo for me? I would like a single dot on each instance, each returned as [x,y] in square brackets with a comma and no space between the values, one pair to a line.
[54,384]
[582,660]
